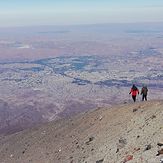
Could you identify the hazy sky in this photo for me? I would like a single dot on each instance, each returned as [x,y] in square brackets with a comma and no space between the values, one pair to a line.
[61,12]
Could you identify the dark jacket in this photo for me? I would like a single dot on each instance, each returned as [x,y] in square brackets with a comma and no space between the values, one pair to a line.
[144,91]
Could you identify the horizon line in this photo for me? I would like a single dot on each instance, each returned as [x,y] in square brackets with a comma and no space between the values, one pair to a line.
[83,24]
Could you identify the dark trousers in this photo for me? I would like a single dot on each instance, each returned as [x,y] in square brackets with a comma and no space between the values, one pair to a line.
[144,97]
[134,98]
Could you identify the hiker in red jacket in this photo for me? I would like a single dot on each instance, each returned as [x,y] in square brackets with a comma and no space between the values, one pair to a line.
[134,91]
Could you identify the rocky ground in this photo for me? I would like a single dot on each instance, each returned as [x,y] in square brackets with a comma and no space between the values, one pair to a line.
[126,133]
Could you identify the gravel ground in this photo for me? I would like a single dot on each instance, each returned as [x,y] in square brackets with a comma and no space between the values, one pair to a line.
[125,133]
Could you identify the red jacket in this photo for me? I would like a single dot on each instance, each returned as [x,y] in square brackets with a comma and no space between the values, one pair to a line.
[134,92]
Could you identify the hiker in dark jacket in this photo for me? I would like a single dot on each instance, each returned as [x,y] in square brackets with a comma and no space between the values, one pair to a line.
[144,92]
[134,91]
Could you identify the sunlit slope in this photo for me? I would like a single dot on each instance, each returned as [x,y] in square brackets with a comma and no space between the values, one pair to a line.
[124,133]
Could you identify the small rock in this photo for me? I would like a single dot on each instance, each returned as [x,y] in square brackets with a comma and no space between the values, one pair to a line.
[134,110]
[161,160]
[117,150]
[130,130]
[122,141]
[160,152]
[128,158]
[100,161]
[90,139]
[160,144]
[121,144]
[148,147]
[11,155]
[136,149]
[155,133]
[43,133]
[153,116]
[100,118]
[127,152]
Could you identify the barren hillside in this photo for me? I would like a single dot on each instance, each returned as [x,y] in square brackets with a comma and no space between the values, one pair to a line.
[126,133]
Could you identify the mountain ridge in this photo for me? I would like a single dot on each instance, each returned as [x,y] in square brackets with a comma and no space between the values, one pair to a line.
[123,133]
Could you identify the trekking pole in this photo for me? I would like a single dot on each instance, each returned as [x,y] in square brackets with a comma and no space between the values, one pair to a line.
[129,95]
